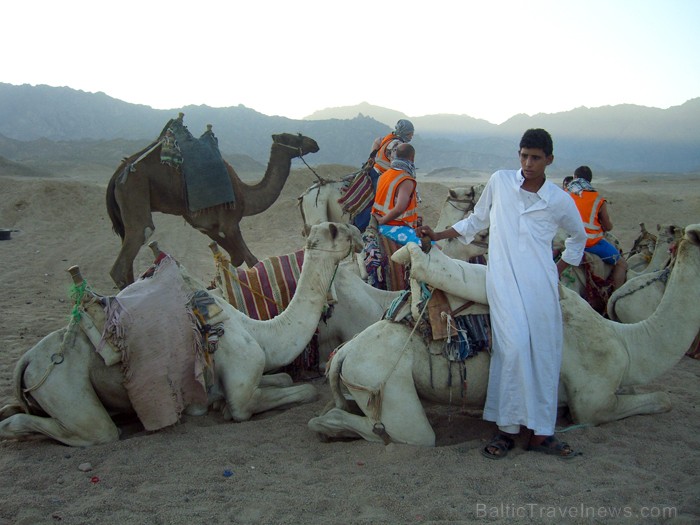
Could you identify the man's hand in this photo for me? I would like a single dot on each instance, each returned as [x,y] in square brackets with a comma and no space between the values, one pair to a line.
[423,231]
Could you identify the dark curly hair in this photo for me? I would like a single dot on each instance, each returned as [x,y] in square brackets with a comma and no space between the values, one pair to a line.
[584,172]
[539,139]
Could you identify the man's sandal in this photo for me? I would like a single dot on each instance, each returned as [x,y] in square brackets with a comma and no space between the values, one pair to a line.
[498,447]
[552,446]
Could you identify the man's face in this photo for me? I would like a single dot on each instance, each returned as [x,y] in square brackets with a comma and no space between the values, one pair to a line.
[533,161]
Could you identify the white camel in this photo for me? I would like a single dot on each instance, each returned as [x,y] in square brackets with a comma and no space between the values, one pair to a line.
[319,203]
[642,251]
[668,236]
[355,304]
[459,204]
[71,401]
[388,369]
[574,277]
[639,296]
[637,299]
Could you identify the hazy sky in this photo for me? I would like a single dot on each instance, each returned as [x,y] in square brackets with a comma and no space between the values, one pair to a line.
[488,59]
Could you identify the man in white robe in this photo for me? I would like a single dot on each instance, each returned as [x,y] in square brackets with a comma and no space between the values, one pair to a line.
[523,211]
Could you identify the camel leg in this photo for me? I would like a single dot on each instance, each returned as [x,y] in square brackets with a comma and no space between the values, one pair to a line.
[594,394]
[10,410]
[76,416]
[269,398]
[137,233]
[402,415]
[620,406]
[23,426]
[240,363]
[396,406]
[233,243]
[337,423]
[278,380]
[134,200]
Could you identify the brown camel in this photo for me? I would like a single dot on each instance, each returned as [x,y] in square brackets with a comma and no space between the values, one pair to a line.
[151,185]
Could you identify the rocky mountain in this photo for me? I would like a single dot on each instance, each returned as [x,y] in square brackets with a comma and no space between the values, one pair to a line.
[57,124]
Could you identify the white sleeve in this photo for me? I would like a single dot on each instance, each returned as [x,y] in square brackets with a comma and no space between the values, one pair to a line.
[479,219]
[576,241]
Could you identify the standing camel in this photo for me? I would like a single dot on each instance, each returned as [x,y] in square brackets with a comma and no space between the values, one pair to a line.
[143,184]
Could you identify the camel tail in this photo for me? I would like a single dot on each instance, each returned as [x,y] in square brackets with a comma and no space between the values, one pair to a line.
[113,210]
[18,378]
[335,365]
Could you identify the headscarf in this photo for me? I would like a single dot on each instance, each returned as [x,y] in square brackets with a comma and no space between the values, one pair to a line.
[403,128]
[578,186]
[405,165]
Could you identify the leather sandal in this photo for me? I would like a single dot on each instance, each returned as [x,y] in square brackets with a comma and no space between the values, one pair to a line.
[552,446]
[500,445]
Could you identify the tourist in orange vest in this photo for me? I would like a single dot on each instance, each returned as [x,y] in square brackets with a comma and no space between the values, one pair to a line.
[384,148]
[383,151]
[395,201]
[596,219]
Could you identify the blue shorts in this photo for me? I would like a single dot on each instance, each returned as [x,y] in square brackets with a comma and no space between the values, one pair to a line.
[400,234]
[606,251]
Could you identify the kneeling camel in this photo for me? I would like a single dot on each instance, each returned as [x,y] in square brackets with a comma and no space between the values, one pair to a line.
[388,369]
[73,400]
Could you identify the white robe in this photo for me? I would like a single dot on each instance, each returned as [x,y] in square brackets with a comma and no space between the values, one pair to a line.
[523,294]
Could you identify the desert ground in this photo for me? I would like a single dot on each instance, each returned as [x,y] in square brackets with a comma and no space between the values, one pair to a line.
[643,469]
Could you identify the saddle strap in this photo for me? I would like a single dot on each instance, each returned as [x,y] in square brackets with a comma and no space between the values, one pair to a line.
[466,305]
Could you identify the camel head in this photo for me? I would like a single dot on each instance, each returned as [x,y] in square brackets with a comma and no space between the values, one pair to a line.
[669,233]
[335,237]
[465,193]
[692,234]
[299,143]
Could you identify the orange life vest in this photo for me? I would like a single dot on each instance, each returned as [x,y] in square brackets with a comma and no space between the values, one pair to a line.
[382,162]
[385,197]
[588,204]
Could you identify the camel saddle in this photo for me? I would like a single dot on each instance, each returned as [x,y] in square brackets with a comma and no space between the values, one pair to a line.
[438,310]
[206,177]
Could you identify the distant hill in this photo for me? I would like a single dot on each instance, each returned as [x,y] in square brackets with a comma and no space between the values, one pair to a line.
[16,169]
[64,124]
[363,109]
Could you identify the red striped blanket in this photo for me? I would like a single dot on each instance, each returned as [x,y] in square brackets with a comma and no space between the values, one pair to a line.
[264,291]
[358,195]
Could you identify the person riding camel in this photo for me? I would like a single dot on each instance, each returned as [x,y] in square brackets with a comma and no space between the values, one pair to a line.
[395,210]
[596,219]
[383,148]
[379,160]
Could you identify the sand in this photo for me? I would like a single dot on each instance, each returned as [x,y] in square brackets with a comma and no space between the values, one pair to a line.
[272,469]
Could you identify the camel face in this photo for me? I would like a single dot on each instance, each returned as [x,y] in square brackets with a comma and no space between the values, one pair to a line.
[337,235]
[299,142]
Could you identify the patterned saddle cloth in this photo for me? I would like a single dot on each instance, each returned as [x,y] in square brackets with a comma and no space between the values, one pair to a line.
[264,291]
